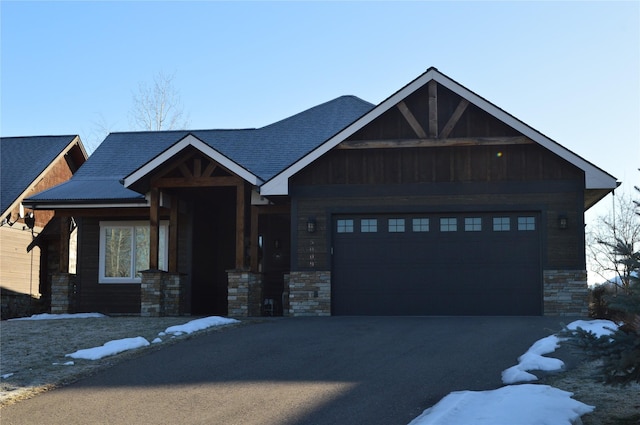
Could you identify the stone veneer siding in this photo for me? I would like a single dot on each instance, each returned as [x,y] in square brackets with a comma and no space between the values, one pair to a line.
[63,289]
[161,294]
[310,293]
[565,293]
[244,296]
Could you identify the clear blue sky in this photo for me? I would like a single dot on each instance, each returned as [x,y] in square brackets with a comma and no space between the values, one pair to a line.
[569,69]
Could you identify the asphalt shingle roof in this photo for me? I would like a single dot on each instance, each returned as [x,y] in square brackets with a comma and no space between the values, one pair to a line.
[23,159]
[263,151]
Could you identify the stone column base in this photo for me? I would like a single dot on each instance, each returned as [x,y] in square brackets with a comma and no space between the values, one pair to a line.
[63,290]
[244,296]
[565,293]
[161,294]
[310,293]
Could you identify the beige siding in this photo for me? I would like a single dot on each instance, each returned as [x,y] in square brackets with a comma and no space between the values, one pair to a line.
[19,269]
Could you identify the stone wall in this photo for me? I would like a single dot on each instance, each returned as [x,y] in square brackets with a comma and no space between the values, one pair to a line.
[161,294]
[565,293]
[244,296]
[310,293]
[63,292]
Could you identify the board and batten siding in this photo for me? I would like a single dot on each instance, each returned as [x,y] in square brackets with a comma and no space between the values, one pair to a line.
[431,180]
[19,269]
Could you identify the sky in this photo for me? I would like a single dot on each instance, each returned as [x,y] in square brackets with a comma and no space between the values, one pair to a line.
[515,403]
[570,70]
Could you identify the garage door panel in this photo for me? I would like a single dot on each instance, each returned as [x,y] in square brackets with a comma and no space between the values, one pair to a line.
[437,273]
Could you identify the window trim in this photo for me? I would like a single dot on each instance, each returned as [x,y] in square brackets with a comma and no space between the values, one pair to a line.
[102,279]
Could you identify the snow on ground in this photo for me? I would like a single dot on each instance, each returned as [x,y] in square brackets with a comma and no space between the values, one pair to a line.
[523,404]
[47,316]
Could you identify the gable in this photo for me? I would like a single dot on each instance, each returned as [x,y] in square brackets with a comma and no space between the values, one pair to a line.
[435,111]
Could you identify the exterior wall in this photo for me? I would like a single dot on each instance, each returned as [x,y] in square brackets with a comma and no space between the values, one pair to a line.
[63,292]
[244,293]
[19,269]
[565,293]
[94,296]
[475,179]
[310,293]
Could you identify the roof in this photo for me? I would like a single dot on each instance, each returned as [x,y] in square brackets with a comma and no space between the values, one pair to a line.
[595,178]
[256,154]
[24,159]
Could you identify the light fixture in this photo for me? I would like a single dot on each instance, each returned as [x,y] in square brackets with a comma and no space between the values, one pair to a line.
[311,225]
[30,220]
[563,222]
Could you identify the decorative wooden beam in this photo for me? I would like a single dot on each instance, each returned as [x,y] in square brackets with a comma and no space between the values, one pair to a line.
[209,170]
[453,120]
[173,235]
[432,88]
[65,234]
[154,234]
[197,167]
[433,143]
[240,207]
[411,119]
[168,182]
[185,170]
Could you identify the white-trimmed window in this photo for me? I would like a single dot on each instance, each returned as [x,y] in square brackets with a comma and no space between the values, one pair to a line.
[124,250]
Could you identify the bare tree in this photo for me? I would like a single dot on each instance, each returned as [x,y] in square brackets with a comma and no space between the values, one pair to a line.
[613,239]
[158,107]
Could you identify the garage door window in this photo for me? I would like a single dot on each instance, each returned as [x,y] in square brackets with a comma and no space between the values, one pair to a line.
[420,224]
[369,225]
[472,224]
[449,224]
[526,223]
[396,225]
[345,226]
[501,224]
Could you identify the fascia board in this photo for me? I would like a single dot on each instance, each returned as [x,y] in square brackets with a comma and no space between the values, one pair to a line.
[47,206]
[191,140]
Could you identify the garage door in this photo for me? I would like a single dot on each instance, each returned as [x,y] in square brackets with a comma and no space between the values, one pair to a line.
[437,264]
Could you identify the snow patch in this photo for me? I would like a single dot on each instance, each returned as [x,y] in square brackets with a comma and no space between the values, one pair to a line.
[198,325]
[110,348]
[515,404]
[47,316]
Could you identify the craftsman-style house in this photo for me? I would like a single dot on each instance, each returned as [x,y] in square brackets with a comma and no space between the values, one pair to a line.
[28,241]
[434,202]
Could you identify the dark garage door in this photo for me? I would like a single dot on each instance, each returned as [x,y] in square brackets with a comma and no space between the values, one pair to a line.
[437,264]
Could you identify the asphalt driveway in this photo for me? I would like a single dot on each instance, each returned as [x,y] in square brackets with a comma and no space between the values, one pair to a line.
[333,370]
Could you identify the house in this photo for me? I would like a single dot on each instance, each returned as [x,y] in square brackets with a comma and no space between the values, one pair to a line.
[434,202]
[29,242]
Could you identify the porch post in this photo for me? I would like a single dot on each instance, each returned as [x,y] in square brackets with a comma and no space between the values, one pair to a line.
[154,236]
[173,235]
[240,207]
[64,244]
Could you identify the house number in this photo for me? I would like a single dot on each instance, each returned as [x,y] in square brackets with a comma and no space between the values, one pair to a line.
[312,253]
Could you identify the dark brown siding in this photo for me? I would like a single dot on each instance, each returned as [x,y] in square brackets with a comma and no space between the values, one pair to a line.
[473,178]
[93,296]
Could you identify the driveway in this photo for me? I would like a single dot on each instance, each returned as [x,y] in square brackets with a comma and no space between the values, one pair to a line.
[332,370]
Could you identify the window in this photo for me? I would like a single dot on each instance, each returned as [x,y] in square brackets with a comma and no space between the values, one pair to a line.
[420,224]
[345,226]
[501,224]
[124,250]
[526,223]
[449,224]
[396,225]
[472,224]
[369,225]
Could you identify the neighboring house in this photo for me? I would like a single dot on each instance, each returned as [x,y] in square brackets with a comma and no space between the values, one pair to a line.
[31,165]
[434,202]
